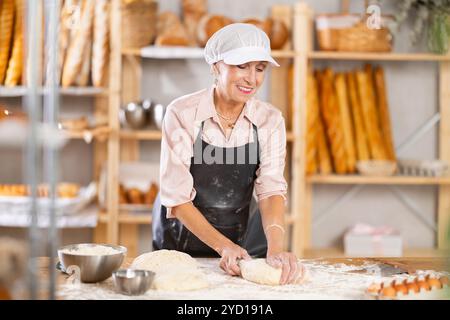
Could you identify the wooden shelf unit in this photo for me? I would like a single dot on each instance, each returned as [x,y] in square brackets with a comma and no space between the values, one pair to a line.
[123,145]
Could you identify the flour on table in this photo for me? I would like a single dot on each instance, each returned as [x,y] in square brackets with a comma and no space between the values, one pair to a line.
[258,271]
[91,250]
[174,270]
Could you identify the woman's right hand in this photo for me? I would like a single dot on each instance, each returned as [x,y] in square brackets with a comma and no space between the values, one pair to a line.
[230,254]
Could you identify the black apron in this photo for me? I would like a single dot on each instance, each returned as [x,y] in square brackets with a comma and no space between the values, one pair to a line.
[224,180]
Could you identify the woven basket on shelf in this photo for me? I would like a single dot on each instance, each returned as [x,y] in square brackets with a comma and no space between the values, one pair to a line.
[349,32]
[139,19]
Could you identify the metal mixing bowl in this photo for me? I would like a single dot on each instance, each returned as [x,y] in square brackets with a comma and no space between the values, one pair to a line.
[93,268]
[133,282]
[136,114]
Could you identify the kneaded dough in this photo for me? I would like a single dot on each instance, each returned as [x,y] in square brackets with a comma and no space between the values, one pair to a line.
[258,271]
[174,270]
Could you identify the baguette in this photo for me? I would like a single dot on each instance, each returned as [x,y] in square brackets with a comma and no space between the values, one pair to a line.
[362,148]
[15,66]
[383,109]
[73,63]
[83,77]
[333,126]
[100,49]
[311,126]
[346,121]
[6,34]
[367,98]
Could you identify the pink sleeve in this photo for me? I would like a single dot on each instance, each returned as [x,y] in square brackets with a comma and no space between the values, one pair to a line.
[270,175]
[176,181]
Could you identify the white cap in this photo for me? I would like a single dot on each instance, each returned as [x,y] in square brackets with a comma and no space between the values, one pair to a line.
[238,43]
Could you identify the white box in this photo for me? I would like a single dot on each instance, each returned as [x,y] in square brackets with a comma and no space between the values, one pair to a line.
[367,245]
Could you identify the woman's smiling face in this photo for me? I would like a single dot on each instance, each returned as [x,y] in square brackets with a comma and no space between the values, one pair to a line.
[237,84]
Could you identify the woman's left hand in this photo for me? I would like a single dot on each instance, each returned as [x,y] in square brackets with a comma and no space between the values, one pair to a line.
[291,269]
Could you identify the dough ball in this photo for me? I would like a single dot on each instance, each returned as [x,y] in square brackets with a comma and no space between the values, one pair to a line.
[161,260]
[258,271]
[174,270]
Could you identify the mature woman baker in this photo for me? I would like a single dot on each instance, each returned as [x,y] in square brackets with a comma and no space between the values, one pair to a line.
[218,147]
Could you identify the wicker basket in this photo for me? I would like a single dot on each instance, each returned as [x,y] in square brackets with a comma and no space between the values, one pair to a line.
[139,18]
[376,167]
[349,32]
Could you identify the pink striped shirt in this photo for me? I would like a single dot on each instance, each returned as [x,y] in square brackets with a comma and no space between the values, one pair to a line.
[181,126]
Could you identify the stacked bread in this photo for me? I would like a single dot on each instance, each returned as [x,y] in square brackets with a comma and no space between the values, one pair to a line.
[84,42]
[197,25]
[348,120]
[11,42]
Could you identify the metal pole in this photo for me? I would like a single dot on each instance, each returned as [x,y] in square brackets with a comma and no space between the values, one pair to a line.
[33,105]
[51,111]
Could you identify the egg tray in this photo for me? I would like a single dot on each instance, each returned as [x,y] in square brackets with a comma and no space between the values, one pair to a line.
[426,287]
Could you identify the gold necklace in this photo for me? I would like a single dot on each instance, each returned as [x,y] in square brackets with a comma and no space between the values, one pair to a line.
[230,123]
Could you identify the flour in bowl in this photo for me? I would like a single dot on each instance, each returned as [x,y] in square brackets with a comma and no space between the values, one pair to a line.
[91,250]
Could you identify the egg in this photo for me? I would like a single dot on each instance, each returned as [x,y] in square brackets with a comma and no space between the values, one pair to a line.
[423,285]
[444,280]
[412,286]
[401,287]
[389,292]
[374,288]
[434,283]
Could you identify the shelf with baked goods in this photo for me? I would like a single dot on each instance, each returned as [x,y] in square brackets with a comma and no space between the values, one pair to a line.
[176,52]
[352,87]
[21,91]
[156,135]
[391,56]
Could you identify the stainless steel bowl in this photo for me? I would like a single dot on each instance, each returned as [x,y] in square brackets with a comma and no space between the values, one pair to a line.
[93,268]
[133,282]
[136,115]
[157,112]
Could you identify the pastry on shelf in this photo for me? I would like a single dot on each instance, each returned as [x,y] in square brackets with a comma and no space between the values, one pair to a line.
[100,46]
[150,195]
[208,25]
[278,33]
[193,11]
[262,24]
[134,196]
[170,31]
[6,35]
[77,124]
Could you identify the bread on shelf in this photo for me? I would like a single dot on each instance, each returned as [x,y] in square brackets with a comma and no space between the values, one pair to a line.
[370,115]
[170,31]
[100,45]
[311,125]
[76,52]
[63,189]
[333,126]
[346,121]
[208,25]
[383,109]
[362,148]
[6,35]
[278,33]
[193,11]
[15,65]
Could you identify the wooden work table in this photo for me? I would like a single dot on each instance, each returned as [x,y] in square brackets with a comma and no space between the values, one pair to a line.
[441,264]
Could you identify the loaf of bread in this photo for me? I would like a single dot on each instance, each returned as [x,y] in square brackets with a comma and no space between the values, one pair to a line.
[370,115]
[100,49]
[383,110]
[346,121]
[332,119]
[78,124]
[76,53]
[15,66]
[82,79]
[193,11]
[278,33]
[150,195]
[362,148]
[312,106]
[208,25]
[6,34]
[170,31]
[262,24]
[64,190]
